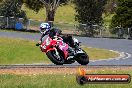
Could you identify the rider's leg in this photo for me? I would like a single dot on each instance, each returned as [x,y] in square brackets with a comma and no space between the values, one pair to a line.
[65,39]
[69,40]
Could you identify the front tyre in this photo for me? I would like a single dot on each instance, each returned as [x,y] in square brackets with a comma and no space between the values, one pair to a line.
[56,59]
[82,58]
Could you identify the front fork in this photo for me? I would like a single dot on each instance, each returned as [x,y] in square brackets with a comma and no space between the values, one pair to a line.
[56,52]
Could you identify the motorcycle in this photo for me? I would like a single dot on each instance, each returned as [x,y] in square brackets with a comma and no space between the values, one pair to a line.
[61,53]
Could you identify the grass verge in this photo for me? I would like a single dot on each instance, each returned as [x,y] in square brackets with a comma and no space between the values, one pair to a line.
[19,51]
[58,80]
[97,54]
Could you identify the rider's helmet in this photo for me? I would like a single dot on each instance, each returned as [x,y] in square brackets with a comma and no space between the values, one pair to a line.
[44,27]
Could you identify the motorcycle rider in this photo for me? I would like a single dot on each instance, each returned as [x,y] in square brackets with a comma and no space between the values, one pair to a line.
[46,29]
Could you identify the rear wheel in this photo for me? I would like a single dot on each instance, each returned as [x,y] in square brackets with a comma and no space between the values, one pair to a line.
[82,58]
[56,59]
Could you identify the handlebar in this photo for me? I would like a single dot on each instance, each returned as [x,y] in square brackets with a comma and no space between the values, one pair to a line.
[38,44]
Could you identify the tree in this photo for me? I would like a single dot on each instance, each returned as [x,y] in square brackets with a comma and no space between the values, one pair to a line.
[89,11]
[110,6]
[12,8]
[1,1]
[50,6]
[123,15]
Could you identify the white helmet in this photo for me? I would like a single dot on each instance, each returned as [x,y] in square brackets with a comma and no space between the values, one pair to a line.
[44,27]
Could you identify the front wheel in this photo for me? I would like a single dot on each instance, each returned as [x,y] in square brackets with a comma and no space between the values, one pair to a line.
[82,58]
[56,59]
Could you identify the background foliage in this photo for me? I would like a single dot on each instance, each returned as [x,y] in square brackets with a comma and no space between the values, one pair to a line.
[89,11]
[123,14]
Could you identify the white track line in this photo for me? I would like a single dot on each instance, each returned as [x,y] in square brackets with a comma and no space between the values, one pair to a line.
[128,56]
[122,55]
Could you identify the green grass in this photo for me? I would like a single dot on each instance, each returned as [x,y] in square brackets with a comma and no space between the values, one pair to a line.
[56,81]
[97,54]
[107,19]
[19,51]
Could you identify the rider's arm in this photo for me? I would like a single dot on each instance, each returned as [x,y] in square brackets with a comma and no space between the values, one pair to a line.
[42,36]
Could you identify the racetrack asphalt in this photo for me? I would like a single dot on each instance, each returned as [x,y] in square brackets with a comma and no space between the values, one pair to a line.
[121,45]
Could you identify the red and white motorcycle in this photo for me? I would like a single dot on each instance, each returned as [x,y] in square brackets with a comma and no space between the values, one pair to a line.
[61,53]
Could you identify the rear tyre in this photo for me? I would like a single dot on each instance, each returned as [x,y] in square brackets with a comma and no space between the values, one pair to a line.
[82,58]
[54,58]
